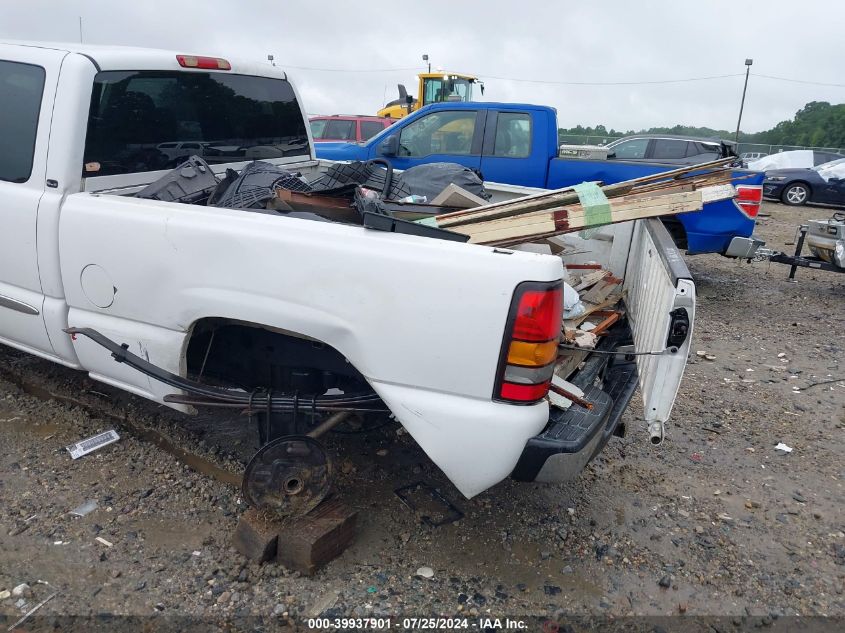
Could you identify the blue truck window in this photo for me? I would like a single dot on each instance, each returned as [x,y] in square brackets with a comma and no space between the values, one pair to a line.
[445,132]
[21,86]
[513,135]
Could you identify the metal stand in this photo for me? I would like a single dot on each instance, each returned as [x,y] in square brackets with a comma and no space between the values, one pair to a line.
[796,260]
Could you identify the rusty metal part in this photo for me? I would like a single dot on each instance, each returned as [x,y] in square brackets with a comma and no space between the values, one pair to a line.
[290,476]
[202,394]
[571,396]
[328,424]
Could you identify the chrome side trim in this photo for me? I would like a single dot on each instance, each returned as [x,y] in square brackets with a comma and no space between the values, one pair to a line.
[18,306]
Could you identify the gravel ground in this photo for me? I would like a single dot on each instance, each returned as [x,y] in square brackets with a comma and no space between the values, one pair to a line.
[713,521]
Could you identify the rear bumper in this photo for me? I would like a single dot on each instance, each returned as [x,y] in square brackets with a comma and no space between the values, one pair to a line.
[575,436]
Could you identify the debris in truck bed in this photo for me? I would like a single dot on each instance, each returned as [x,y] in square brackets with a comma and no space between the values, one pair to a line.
[605,286]
[456,196]
[191,182]
[570,395]
[257,183]
[572,209]
[572,306]
[432,179]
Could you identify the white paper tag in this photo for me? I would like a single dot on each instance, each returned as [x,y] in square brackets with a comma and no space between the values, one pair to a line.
[92,443]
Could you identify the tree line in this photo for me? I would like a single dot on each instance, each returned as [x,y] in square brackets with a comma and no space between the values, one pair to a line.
[817,124]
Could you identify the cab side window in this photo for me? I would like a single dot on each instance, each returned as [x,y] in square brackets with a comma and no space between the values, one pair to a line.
[635,148]
[670,148]
[21,87]
[340,129]
[369,129]
[513,135]
[448,132]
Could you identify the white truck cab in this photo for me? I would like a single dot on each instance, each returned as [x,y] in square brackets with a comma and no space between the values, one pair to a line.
[162,297]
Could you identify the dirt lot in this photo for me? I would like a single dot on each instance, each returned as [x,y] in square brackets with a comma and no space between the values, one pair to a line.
[714,521]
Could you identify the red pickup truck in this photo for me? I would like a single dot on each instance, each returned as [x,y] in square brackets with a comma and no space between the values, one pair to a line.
[352,128]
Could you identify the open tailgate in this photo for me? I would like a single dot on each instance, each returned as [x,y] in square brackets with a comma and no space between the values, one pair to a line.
[660,299]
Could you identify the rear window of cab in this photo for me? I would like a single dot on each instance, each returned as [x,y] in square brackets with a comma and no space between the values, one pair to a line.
[152,120]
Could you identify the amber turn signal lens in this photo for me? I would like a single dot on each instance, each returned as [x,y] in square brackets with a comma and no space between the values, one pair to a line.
[532,354]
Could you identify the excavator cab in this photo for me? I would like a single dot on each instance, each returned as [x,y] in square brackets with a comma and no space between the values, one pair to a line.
[433,88]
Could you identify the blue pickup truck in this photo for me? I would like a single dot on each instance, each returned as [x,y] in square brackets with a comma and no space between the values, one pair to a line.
[517,144]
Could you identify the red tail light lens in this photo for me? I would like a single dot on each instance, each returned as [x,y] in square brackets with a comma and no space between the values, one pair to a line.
[529,348]
[524,393]
[748,199]
[538,315]
[208,63]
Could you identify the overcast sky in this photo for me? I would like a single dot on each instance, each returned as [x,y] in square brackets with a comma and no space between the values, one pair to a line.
[498,40]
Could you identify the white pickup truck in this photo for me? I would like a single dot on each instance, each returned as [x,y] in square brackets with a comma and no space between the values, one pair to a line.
[290,313]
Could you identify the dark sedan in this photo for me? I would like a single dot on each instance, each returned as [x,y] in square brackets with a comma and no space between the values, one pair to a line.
[823,183]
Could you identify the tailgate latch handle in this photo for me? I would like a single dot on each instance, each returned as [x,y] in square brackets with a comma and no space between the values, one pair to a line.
[678,327]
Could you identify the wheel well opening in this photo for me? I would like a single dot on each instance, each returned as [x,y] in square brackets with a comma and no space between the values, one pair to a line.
[249,356]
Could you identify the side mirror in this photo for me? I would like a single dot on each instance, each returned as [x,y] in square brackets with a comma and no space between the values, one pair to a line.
[611,154]
[389,146]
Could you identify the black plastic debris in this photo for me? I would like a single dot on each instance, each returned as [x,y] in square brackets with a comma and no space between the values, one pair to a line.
[377,174]
[430,179]
[368,201]
[388,224]
[257,183]
[227,180]
[191,182]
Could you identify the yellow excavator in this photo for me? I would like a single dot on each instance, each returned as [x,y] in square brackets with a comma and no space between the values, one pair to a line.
[433,88]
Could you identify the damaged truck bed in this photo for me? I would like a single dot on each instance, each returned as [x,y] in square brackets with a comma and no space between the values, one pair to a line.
[276,289]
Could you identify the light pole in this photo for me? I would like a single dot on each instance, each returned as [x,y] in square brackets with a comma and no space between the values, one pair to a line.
[425,59]
[748,63]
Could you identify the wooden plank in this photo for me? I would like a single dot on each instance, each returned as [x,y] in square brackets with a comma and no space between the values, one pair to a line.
[307,543]
[455,196]
[565,195]
[591,278]
[256,535]
[568,361]
[583,266]
[575,218]
[605,324]
[602,290]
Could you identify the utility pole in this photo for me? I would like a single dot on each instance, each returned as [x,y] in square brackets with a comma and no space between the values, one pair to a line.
[80,29]
[748,63]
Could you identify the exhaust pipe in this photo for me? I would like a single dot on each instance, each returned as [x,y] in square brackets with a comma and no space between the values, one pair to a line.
[655,432]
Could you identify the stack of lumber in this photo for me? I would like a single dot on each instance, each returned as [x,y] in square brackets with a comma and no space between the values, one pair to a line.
[566,210]
[600,292]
